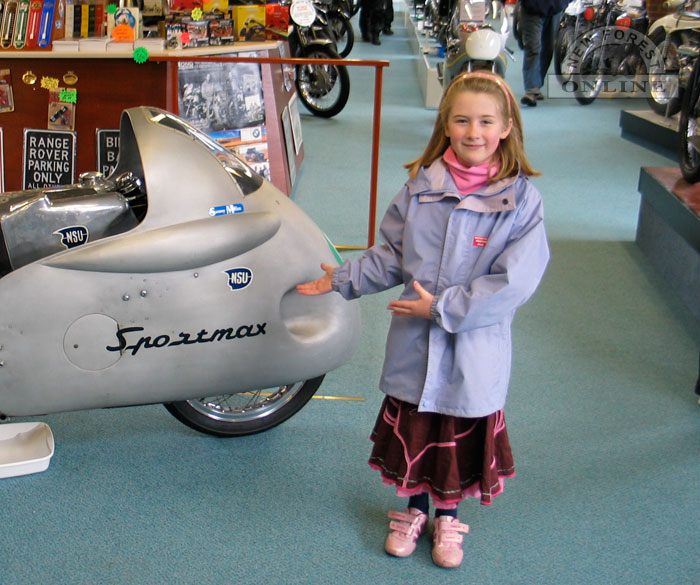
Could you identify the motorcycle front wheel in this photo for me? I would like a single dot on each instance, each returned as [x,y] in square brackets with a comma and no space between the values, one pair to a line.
[689,128]
[590,81]
[562,64]
[342,31]
[323,89]
[665,97]
[245,413]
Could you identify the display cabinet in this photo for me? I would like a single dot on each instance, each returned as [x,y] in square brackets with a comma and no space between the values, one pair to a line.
[106,83]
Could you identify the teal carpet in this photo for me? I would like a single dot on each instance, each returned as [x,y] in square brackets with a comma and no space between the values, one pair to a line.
[602,417]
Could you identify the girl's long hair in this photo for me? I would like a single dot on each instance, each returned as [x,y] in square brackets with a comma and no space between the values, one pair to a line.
[510,151]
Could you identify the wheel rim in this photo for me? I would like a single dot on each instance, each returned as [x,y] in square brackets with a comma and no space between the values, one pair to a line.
[340,34]
[665,83]
[246,406]
[317,84]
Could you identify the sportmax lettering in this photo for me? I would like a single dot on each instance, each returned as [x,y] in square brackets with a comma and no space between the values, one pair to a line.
[164,340]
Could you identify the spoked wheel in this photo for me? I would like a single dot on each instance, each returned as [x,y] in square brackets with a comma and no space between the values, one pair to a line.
[342,31]
[232,415]
[665,97]
[562,64]
[323,89]
[590,81]
[689,127]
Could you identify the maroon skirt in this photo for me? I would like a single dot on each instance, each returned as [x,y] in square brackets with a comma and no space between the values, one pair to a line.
[449,457]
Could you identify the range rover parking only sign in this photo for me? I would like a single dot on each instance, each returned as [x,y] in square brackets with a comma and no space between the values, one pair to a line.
[48,158]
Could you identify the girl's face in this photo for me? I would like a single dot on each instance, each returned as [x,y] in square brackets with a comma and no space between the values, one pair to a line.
[475,127]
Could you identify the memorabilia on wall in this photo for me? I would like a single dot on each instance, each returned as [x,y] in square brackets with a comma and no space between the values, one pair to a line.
[7,102]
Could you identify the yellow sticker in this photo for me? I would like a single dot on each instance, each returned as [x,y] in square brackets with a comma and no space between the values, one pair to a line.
[49,83]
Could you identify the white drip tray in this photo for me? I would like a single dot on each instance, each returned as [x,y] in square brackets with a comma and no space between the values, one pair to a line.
[25,448]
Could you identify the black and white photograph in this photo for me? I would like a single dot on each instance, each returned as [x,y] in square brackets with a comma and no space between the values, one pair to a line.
[221,96]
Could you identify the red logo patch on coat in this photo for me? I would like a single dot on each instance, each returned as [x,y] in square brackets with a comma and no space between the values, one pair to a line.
[480,241]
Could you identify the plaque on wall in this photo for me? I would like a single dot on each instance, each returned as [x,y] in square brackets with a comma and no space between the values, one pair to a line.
[107,151]
[48,158]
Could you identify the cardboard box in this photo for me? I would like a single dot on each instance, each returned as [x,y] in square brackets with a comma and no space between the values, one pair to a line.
[221,31]
[216,6]
[277,19]
[198,32]
[249,22]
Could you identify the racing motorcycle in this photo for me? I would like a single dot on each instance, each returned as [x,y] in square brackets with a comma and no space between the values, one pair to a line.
[677,38]
[689,127]
[172,280]
[477,39]
[604,58]
[323,89]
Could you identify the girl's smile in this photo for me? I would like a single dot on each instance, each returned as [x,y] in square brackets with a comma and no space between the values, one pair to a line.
[475,127]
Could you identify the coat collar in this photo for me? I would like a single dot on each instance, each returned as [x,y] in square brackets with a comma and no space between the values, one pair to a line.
[435,183]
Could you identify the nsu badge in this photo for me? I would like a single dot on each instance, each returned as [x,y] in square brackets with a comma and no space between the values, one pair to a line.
[239,278]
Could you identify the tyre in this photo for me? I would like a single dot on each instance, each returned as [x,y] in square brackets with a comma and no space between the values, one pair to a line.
[689,128]
[590,81]
[232,415]
[665,97]
[562,65]
[323,89]
[342,31]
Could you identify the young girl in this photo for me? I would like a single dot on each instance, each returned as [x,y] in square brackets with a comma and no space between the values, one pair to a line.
[465,238]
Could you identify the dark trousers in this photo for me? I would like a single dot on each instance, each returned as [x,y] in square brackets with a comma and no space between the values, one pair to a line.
[374,16]
[539,34]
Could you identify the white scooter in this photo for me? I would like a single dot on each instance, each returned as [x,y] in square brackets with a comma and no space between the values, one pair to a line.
[677,36]
[478,33]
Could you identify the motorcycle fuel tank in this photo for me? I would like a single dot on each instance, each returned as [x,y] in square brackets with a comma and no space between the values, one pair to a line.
[189,291]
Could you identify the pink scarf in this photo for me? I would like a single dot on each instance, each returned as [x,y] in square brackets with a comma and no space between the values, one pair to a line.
[468,179]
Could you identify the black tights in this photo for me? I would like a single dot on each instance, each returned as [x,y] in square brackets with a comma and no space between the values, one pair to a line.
[422,502]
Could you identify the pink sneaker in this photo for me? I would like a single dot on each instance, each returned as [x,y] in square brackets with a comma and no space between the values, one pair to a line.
[447,541]
[406,527]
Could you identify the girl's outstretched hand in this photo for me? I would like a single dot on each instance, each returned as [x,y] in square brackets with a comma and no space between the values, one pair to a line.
[418,308]
[320,286]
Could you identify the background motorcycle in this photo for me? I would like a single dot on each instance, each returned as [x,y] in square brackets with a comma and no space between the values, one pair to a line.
[677,37]
[338,24]
[477,39]
[689,127]
[323,89]
[578,18]
[603,60]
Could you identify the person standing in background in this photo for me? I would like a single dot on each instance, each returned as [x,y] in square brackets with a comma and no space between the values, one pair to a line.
[539,23]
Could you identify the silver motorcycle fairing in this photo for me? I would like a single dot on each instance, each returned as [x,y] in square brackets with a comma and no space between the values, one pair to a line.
[185,304]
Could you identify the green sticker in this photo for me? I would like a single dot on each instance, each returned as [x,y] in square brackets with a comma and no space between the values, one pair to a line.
[112,9]
[68,96]
[141,55]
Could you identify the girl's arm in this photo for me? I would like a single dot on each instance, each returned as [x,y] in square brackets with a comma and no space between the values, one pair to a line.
[380,267]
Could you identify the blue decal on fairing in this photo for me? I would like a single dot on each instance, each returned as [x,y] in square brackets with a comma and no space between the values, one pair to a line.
[239,278]
[75,235]
[226,209]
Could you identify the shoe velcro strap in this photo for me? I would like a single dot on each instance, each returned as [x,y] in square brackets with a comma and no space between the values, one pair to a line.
[449,537]
[403,517]
[401,527]
[455,527]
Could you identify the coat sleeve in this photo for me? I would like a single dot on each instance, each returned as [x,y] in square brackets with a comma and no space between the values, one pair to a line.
[379,268]
[512,279]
